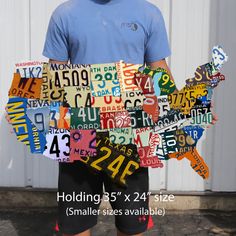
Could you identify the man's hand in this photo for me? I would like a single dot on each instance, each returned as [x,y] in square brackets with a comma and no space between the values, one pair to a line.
[162,64]
[7,116]
[214,116]
[8,119]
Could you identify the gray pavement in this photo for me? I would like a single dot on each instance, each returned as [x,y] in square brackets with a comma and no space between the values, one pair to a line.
[40,222]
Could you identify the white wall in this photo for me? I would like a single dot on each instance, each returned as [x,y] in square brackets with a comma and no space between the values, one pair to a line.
[223,154]
[194,26]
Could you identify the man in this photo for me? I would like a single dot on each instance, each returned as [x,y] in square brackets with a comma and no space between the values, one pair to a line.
[96,32]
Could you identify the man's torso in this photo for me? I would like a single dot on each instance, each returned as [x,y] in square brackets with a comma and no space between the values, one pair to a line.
[109,32]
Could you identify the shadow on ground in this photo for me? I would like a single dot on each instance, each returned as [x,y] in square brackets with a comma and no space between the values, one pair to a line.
[41,222]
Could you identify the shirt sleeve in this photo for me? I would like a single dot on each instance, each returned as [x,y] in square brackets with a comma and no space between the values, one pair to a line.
[56,43]
[157,45]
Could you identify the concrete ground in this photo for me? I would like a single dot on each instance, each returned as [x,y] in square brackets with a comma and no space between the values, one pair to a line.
[40,222]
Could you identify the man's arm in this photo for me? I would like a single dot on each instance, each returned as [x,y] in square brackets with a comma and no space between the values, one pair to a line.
[162,64]
[153,65]
[57,62]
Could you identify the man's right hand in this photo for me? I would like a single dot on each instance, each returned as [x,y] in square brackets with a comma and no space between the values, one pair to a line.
[8,119]
[7,116]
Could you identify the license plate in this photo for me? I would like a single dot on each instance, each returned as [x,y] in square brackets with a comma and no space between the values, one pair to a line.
[145,83]
[108,103]
[148,161]
[118,161]
[185,99]
[164,105]
[141,136]
[140,119]
[105,88]
[195,132]
[202,120]
[126,74]
[103,72]
[166,84]
[66,75]
[110,120]
[85,118]
[82,144]
[58,145]
[121,136]
[150,106]
[59,116]
[78,97]
[173,118]
[169,143]
[25,131]
[133,99]
[219,57]
[25,87]
[38,112]
[30,69]
[196,162]
[184,141]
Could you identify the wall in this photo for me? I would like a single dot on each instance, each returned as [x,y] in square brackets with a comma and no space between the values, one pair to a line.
[194,26]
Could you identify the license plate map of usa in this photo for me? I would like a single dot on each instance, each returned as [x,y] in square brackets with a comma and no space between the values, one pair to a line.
[114,117]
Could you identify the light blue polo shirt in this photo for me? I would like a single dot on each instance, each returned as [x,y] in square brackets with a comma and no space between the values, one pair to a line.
[103,31]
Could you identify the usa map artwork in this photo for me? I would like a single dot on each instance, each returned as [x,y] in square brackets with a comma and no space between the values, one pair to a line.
[114,117]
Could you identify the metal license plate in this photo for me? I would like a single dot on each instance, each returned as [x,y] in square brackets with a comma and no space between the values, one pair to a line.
[140,119]
[147,160]
[25,87]
[133,99]
[38,112]
[25,131]
[126,74]
[78,97]
[108,103]
[82,144]
[118,161]
[144,82]
[103,72]
[105,88]
[59,116]
[85,118]
[58,145]
[121,136]
[66,75]
[30,69]
[164,105]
